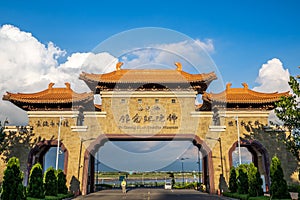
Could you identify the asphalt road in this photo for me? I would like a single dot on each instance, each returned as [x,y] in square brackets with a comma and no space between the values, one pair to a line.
[149,194]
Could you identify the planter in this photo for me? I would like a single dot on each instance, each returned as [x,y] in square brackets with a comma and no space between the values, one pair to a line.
[294,195]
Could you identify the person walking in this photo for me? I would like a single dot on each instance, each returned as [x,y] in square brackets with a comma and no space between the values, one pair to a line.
[123,185]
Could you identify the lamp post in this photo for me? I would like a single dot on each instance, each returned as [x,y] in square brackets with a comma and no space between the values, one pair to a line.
[182,171]
[221,154]
[199,167]
[58,142]
[222,184]
[239,142]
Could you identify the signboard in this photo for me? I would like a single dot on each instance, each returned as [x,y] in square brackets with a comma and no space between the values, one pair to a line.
[148,118]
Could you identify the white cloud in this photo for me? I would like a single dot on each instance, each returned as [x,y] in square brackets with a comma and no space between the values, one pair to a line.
[273,77]
[75,64]
[207,45]
[90,62]
[23,58]
[27,65]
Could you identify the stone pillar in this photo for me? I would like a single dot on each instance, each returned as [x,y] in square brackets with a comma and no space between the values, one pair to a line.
[214,140]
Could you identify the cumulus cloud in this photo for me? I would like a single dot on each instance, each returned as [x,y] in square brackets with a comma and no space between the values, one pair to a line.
[273,77]
[27,65]
[75,64]
[23,58]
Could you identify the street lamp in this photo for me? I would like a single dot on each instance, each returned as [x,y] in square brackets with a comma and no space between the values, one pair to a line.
[199,167]
[58,142]
[221,155]
[182,171]
[239,142]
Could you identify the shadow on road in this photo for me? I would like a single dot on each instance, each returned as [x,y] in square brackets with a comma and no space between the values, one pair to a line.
[149,194]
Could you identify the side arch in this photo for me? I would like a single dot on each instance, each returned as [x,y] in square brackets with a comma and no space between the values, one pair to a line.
[260,157]
[38,152]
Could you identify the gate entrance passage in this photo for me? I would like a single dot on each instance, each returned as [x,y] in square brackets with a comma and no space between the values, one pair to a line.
[92,159]
[147,105]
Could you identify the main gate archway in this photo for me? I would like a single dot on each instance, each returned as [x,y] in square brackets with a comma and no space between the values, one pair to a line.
[158,102]
[207,166]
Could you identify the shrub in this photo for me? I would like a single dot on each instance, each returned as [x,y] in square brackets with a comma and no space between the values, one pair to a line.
[232,180]
[61,182]
[35,186]
[255,182]
[50,182]
[103,186]
[12,187]
[278,187]
[185,186]
[242,182]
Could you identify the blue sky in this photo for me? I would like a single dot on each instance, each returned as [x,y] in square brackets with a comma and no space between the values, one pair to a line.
[245,33]
[257,42]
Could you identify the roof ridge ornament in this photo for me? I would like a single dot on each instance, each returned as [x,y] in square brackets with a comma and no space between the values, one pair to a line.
[179,66]
[68,85]
[228,86]
[118,66]
[50,86]
[245,86]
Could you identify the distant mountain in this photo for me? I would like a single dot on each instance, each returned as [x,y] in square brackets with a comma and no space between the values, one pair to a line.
[175,166]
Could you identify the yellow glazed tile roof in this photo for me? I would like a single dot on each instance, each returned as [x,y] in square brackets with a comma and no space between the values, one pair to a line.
[50,95]
[245,95]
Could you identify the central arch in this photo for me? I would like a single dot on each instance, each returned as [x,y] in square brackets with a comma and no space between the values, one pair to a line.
[207,164]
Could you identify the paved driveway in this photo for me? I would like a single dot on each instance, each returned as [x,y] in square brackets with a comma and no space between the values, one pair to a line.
[150,194]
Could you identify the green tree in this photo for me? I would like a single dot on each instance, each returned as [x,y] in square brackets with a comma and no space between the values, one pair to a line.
[242,180]
[50,182]
[61,182]
[233,186]
[36,187]
[12,187]
[259,185]
[15,143]
[288,111]
[278,187]
[254,181]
